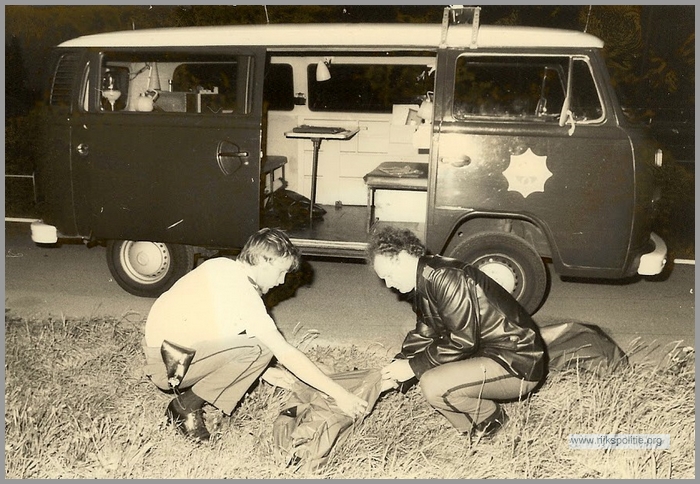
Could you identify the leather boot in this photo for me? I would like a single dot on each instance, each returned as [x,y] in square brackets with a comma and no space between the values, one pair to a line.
[493,423]
[188,422]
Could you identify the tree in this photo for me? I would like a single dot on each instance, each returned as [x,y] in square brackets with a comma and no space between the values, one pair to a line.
[651,69]
[17,93]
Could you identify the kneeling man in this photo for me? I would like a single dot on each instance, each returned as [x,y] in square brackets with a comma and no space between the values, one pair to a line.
[216,313]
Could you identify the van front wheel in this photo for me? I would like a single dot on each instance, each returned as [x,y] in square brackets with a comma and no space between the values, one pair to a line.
[511,262]
[148,269]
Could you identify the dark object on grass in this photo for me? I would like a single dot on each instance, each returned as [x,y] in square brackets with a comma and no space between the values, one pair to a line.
[311,423]
[584,346]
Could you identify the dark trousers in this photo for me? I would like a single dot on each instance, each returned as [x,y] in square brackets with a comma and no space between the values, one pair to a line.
[221,372]
[464,391]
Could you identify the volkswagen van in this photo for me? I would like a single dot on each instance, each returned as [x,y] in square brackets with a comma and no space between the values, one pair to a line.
[502,146]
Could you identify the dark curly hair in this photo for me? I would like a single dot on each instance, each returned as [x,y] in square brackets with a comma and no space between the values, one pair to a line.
[390,241]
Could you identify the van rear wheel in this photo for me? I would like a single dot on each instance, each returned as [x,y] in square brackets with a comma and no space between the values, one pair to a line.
[511,262]
[148,269]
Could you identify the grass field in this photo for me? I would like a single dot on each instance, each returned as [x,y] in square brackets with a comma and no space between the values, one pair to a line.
[77,406]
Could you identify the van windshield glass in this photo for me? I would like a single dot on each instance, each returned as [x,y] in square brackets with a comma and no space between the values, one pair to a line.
[523,88]
[174,82]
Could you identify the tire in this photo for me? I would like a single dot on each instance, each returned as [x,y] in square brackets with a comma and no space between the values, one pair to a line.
[148,269]
[511,262]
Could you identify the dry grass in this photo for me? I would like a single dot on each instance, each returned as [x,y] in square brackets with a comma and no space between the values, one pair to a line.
[77,407]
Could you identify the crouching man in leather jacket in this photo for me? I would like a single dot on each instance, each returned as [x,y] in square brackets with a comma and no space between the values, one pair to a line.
[473,342]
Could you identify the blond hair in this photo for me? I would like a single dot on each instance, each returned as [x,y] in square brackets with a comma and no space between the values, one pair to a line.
[268,244]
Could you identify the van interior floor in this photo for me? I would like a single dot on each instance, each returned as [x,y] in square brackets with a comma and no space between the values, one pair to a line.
[346,223]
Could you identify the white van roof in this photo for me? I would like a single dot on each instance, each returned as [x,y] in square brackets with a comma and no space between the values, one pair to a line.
[335,36]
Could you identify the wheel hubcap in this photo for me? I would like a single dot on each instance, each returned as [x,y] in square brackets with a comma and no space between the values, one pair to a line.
[145,262]
[501,271]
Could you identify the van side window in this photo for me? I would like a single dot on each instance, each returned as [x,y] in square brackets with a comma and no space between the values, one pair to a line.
[162,82]
[278,90]
[368,88]
[585,100]
[524,88]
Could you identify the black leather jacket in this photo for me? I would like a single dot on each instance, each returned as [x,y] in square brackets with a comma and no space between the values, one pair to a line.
[462,313]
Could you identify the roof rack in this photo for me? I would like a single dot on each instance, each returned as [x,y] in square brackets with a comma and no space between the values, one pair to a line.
[459,14]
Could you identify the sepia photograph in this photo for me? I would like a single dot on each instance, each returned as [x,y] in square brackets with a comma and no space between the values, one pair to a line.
[349,241]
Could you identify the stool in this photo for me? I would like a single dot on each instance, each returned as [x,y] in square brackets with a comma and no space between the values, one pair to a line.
[268,166]
[394,175]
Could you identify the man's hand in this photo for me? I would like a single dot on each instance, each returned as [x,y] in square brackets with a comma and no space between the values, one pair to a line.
[388,385]
[395,372]
[279,378]
[351,404]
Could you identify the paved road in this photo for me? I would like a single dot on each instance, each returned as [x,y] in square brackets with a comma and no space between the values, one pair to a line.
[345,302]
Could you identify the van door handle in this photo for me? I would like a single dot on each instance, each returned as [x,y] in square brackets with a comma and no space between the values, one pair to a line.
[230,158]
[457,161]
[237,154]
[82,149]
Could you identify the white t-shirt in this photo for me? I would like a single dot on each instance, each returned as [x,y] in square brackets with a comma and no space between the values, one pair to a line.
[214,301]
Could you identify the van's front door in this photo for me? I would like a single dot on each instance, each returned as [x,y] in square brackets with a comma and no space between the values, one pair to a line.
[502,152]
[166,146]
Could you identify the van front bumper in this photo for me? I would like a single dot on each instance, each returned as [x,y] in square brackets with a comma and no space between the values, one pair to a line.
[43,233]
[652,263]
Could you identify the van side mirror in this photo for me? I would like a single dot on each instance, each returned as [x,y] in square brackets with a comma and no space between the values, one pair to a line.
[565,111]
[566,116]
